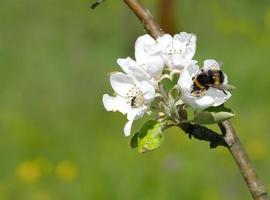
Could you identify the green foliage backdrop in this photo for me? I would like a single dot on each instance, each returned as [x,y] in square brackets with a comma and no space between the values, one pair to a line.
[57,141]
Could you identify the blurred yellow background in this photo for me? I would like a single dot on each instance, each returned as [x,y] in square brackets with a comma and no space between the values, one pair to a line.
[58,142]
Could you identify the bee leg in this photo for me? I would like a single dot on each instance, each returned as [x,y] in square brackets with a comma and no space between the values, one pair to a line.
[224,92]
[195,92]
[202,92]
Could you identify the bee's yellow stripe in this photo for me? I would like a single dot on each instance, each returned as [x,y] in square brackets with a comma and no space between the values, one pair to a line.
[216,78]
[198,84]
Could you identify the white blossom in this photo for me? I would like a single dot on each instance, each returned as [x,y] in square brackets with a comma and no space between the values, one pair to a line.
[147,57]
[132,97]
[177,51]
[211,97]
[131,68]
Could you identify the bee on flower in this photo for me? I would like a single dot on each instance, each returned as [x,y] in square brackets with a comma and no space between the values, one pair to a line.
[202,88]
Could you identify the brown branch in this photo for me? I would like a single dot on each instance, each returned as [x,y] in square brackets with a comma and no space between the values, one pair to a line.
[255,186]
[145,17]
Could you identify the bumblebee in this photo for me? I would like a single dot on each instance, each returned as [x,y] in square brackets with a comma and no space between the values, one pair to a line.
[211,78]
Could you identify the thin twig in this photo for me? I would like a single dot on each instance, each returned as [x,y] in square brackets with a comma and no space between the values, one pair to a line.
[255,186]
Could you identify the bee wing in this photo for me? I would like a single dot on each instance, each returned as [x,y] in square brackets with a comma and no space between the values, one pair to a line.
[220,63]
[211,64]
[222,87]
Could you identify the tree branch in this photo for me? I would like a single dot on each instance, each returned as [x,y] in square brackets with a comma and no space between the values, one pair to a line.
[145,17]
[232,142]
[256,187]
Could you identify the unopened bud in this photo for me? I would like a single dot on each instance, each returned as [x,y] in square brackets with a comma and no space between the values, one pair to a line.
[161,115]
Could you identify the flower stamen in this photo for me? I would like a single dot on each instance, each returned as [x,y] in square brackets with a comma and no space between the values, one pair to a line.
[135,96]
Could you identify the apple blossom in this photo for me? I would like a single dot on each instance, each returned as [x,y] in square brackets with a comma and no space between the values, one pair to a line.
[132,97]
[178,50]
[147,58]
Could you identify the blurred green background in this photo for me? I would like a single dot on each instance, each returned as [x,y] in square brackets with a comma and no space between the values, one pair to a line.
[58,142]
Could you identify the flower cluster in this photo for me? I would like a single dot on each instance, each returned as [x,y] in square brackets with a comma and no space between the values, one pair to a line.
[140,87]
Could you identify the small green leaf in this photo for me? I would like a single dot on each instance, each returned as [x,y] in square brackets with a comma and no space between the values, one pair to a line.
[148,138]
[178,102]
[165,76]
[167,110]
[213,115]
[134,141]
[221,108]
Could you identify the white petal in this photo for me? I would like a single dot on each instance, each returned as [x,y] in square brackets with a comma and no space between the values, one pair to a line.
[179,50]
[211,64]
[218,95]
[154,65]
[136,113]
[145,45]
[126,63]
[204,102]
[189,42]
[189,52]
[131,68]
[177,61]
[127,128]
[184,37]
[198,103]
[164,42]
[121,83]
[148,90]
[185,81]
[116,103]
[132,115]
[147,55]
[179,45]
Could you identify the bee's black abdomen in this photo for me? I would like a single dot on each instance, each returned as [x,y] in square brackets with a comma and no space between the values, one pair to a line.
[216,77]
[221,77]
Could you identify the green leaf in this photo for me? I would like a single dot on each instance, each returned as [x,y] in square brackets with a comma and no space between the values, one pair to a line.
[220,108]
[165,76]
[149,137]
[134,141]
[213,115]
[178,102]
